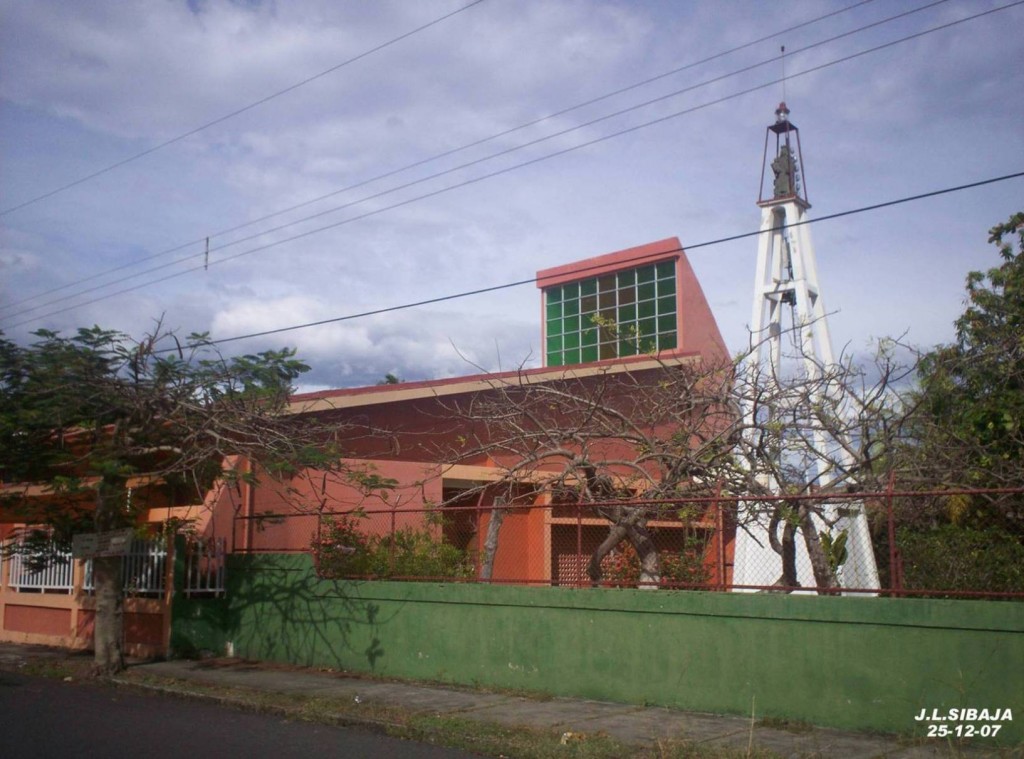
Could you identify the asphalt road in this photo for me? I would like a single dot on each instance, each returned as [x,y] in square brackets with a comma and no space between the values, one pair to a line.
[49,718]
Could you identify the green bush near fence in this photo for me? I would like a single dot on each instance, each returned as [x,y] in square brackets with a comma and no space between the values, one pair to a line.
[688,566]
[343,549]
[950,557]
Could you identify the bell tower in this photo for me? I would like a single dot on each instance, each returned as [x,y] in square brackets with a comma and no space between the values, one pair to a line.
[789,339]
[787,274]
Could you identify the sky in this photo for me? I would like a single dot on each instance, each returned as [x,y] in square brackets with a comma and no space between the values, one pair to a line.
[87,87]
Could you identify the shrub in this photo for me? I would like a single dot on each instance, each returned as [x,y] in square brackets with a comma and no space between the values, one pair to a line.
[957,558]
[418,553]
[344,550]
[621,567]
[341,549]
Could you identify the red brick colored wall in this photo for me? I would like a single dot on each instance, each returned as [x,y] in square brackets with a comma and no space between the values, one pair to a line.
[37,620]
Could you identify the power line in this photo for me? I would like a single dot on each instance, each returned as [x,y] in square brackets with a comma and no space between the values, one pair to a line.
[695,246]
[508,169]
[239,111]
[204,266]
[441,155]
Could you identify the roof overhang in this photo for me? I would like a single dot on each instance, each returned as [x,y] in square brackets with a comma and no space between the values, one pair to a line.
[329,400]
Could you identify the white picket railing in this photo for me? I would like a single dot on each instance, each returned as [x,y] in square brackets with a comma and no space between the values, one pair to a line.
[144,569]
[205,562]
[57,574]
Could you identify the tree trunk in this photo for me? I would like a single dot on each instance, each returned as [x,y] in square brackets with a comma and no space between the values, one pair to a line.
[824,577]
[108,629]
[491,543]
[638,535]
[650,564]
[786,549]
[615,536]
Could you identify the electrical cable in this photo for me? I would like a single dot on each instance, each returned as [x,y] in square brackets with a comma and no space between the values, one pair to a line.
[438,156]
[684,248]
[239,111]
[382,193]
[508,169]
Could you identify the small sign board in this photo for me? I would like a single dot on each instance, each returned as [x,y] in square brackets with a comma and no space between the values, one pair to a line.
[94,545]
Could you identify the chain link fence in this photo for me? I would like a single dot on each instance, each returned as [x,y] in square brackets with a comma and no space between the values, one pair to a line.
[783,544]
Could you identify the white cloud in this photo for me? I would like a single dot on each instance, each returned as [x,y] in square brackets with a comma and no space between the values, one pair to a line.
[87,84]
[413,345]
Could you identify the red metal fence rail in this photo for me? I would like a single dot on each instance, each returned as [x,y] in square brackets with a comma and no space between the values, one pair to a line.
[694,538]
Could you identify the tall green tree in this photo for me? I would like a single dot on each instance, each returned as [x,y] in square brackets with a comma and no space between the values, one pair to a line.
[84,414]
[970,425]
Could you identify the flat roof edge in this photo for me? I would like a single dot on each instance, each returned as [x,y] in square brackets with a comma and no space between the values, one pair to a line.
[628,258]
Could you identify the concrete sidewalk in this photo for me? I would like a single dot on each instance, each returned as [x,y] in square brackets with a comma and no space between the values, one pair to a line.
[629,724]
[633,725]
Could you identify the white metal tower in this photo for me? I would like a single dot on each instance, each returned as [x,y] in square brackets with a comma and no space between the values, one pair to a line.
[786,285]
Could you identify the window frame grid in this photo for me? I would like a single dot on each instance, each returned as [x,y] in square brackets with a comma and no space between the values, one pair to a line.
[573,336]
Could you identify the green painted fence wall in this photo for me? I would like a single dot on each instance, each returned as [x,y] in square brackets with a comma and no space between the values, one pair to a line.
[854,663]
[199,624]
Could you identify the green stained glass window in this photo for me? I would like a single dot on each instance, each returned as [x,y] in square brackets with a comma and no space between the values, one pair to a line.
[636,308]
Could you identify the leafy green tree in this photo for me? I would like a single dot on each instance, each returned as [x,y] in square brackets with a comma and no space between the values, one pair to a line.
[84,414]
[970,426]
